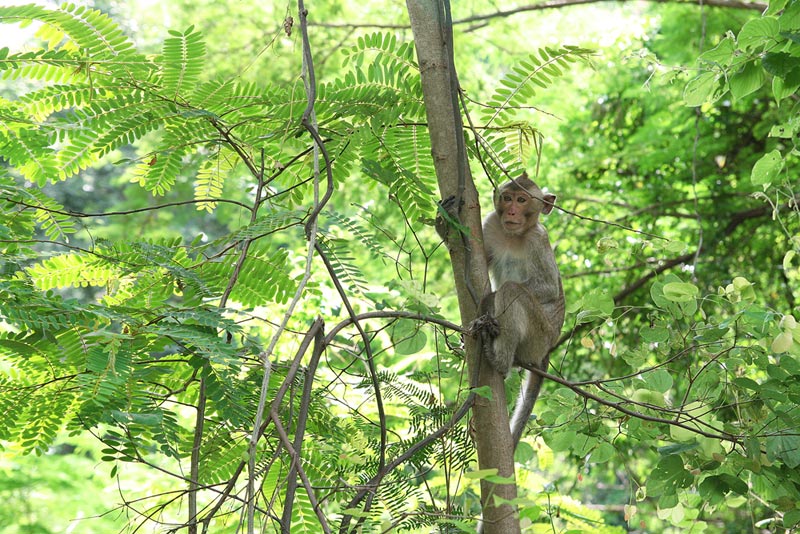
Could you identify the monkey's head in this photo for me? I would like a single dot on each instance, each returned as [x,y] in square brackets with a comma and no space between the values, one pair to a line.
[518,204]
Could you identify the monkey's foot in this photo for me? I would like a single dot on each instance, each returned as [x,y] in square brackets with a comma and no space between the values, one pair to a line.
[485,324]
[446,215]
[449,205]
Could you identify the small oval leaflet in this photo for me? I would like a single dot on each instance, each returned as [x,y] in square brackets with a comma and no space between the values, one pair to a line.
[782,342]
[680,291]
[767,168]
[654,334]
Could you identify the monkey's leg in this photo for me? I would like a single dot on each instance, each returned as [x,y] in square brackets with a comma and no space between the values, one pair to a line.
[510,307]
[501,355]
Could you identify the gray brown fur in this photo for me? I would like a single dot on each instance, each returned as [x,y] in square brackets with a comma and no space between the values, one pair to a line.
[527,304]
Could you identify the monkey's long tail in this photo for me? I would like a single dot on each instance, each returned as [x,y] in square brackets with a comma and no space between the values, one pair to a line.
[528,391]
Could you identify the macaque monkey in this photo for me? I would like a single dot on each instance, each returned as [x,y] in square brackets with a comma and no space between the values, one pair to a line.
[523,316]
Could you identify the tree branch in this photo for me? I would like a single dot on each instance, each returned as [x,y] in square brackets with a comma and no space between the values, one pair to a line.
[553,4]
[300,430]
[714,433]
[311,235]
[433,38]
[373,373]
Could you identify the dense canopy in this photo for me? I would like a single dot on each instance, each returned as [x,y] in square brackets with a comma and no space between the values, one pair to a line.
[224,307]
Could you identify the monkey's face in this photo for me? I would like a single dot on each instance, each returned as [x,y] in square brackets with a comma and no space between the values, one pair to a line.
[518,210]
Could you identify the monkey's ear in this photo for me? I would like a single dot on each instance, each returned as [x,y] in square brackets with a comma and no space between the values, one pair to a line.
[549,202]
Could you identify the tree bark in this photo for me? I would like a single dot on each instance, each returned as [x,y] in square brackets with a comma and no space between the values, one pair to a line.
[432,28]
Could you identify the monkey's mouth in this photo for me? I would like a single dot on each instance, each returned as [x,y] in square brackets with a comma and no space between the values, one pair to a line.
[513,227]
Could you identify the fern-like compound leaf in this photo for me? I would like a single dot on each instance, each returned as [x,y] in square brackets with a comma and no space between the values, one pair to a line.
[518,87]
[182,60]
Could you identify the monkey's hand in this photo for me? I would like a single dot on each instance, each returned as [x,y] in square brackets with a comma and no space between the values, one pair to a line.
[446,216]
[485,325]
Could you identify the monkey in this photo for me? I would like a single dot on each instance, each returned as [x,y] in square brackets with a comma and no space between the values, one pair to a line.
[522,318]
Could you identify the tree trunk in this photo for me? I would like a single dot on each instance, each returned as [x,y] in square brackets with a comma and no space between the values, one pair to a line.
[432,27]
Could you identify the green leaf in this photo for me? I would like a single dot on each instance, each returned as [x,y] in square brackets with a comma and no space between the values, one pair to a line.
[480,474]
[659,380]
[452,221]
[787,259]
[183,61]
[702,88]
[747,383]
[530,512]
[408,337]
[786,130]
[603,453]
[483,391]
[675,247]
[791,518]
[786,448]
[680,291]
[735,484]
[757,32]
[654,334]
[560,441]
[780,63]
[720,54]
[775,6]
[715,488]
[517,84]
[668,477]
[677,448]
[712,333]
[782,342]
[712,490]
[748,80]
[783,88]
[595,303]
[790,18]
[766,169]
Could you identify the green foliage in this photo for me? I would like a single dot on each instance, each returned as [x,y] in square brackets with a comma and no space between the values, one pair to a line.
[140,316]
[764,50]
[511,139]
[118,337]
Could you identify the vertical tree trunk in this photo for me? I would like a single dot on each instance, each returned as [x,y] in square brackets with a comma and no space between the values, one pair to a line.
[431,24]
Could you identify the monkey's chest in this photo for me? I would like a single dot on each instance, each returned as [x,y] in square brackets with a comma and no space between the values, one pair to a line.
[513,268]
[510,269]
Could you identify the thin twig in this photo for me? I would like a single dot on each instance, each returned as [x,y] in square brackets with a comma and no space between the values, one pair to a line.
[371,485]
[301,472]
[620,406]
[82,215]
[370,363]
[302,417]
[311,235]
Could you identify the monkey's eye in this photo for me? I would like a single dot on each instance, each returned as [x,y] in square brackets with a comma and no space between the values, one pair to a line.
[522,199]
